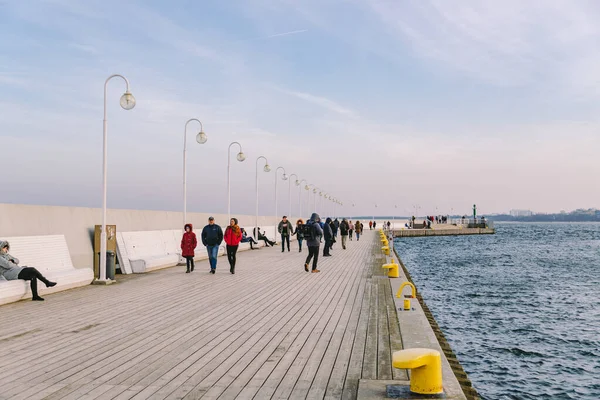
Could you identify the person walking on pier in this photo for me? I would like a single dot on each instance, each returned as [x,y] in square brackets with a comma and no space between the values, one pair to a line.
[313,241]
[10,270]
[370,225]
[188,245]
[344,229]
[233,237]
[299,234]
[374,224]
[350,230]
[212,237]
[328,236]
[358,227]
[336,227]
[286,230]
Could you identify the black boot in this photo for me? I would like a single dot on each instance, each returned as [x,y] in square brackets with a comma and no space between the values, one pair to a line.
[187,271]
[34,292]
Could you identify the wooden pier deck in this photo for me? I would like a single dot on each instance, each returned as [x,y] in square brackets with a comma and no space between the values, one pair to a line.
[271,331]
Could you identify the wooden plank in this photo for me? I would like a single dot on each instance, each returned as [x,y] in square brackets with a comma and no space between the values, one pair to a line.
[270,331]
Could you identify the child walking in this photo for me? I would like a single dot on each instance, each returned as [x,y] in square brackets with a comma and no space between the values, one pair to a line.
[188,245]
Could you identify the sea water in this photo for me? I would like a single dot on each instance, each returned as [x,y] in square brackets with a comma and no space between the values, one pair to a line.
[521,308]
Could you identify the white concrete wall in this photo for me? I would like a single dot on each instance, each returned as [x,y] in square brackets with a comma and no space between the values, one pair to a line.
[77,224]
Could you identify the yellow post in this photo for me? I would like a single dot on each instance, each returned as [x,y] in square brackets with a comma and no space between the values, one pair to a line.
[386,250]
[393,270]
[404,284]
[406,304]
[425,366]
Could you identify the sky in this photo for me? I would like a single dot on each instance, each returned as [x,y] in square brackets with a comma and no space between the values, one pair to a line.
[440,104]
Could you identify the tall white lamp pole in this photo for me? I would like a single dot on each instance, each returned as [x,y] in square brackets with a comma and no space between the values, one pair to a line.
[300,196]
[200,138]
[284,177]
[266,168]
[290,191]
[127,103]
[240,157]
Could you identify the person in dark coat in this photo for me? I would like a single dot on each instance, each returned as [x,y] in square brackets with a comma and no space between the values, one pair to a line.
[328,236]
[286,230]
[351,229]
[336,227]
[299,234]
[212,237]
[344,229]
[10,270]
[313,242]
[248,239]
[188,245]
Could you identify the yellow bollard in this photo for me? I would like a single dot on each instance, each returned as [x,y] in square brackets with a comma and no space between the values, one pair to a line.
[386,250]
[393,270]
[406,304]
[404,284]
[426,369]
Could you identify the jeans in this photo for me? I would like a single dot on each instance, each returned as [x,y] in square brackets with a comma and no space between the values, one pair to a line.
[357,236]
[284,239]
[313,252]
[213,253]
[231,252]
[344,238]
[300,243]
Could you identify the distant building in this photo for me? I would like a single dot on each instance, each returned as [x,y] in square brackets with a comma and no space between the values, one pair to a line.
[521,213]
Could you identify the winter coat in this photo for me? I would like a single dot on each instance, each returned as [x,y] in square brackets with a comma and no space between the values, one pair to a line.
[316,241]
[358,227]
[231,238]
[299,233]
[285,228]
[9,265]
[344,228]
[212,235]
[188,242]
[327,231]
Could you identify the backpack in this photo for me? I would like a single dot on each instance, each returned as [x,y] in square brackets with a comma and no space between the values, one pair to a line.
[308,231]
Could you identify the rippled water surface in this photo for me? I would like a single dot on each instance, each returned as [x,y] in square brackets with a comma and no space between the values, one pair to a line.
[521,308]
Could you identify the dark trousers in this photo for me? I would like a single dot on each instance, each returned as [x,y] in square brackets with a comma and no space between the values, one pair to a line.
[300,244]
[231,256]
[313,253]
[189,262]
[328,244]
[285,239]
[31,274]
[351,232]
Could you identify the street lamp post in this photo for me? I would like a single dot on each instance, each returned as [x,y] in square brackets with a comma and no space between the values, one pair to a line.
[240,157]
[308,190]
[290,191]
[300,196]
[266,168]
[315,198]
[284,177]
[200,138]
[127,102]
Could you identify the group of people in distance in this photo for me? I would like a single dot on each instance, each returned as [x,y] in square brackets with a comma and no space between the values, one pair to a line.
[313,232]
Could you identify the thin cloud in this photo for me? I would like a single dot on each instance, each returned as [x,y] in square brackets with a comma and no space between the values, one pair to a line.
[320,101]
[286,33]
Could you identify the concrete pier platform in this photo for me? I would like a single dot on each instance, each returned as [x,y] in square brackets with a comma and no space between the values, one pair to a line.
[269,331]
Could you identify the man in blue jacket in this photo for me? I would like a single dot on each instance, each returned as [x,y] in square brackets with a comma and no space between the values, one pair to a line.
[212,237]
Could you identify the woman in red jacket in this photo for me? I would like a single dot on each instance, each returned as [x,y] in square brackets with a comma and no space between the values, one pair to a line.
[233,237]
[188,245]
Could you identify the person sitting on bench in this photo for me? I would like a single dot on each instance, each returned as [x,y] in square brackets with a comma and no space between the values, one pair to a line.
[262,236]
[248,239]
[10,270]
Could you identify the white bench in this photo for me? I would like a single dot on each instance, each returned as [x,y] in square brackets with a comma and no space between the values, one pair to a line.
[50,255]
[145,251]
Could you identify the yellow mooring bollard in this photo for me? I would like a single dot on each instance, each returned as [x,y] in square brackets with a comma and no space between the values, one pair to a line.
[393,270]
[386,250]
[426,369]
[401,288]
[406,304]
